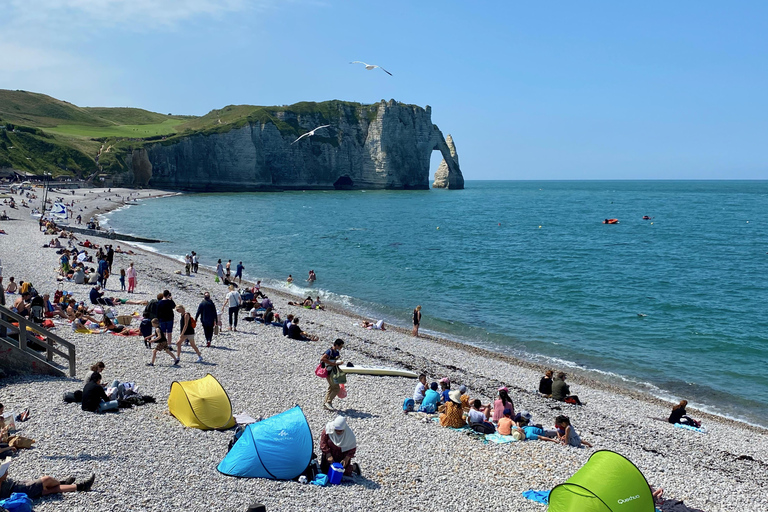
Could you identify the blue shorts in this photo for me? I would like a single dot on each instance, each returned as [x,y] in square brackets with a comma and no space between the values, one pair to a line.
[166,326]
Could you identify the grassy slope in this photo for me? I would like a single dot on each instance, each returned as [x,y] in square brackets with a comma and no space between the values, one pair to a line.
[62,141]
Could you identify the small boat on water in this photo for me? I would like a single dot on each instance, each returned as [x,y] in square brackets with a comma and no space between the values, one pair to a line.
[611,221]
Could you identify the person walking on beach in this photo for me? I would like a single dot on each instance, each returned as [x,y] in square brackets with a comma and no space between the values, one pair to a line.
[233,301]
[187,333]
[220,272]
[122,279]
[416,321]
[228,269]
[165,308]
[331,361]
[195,262]
[208,316]
[239,272]
[187,264]
[110,257]
[158,337]
[130,273]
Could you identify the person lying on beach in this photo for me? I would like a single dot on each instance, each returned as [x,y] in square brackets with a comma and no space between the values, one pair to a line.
[378,326]
[431,399]
[570,436]
[305,303]
[679,415]
[451,412]
[43,486]
[545,384]
[562,392]
[523,431]
[111,326]
[161,343]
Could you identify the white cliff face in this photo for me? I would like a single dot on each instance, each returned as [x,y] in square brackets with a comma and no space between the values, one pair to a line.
[386,145]
[442,173]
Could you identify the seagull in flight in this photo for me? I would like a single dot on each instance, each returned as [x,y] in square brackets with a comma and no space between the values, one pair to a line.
[309,133]
[370,66]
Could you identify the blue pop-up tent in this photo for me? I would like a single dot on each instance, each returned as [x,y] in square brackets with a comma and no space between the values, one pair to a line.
[279,447]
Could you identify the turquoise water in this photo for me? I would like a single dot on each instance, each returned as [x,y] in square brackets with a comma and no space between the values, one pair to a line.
[525,268]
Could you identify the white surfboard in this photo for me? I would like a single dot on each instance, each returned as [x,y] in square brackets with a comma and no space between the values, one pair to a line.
[369,370]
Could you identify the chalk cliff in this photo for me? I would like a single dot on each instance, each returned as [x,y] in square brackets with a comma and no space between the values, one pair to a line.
[381,146]
[445,176]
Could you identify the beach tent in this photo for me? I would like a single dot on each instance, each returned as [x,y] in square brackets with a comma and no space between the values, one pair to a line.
[279,447]
[608,482]
[201,403]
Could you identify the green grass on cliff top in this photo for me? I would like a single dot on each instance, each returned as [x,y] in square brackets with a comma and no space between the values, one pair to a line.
[133,131]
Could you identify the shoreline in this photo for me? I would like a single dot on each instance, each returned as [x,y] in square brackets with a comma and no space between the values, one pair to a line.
[576,374]
[403,459]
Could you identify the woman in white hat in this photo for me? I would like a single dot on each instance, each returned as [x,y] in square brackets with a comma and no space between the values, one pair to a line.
[452,411]
[338,444]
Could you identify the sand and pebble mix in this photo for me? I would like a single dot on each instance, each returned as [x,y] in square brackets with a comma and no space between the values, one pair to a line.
[144,459]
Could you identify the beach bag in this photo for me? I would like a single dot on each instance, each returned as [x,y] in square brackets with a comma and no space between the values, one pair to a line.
[342,391]
[20,442]
[18,502]
[192,322]
[48,323]
[483,428]
[338,376]
[409,404]
[570,400]
[321,372]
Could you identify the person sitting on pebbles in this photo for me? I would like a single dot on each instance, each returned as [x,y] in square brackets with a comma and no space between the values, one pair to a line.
[452,413]
[295,332]
[43,486]
[338,444]
[562,392]
[431,400]
[570,437]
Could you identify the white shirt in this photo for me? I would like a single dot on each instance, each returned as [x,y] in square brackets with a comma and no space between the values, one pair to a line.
[418,394]
[234,299]
[476,416]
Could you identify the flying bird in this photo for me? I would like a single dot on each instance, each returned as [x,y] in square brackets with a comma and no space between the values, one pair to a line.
[309,133]
[370,66]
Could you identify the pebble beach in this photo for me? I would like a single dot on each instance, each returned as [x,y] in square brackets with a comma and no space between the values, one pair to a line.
[144,459]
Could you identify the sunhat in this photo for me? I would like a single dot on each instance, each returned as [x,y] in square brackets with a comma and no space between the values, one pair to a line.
[455,396]
[517,435]
[503,388]
[445,380]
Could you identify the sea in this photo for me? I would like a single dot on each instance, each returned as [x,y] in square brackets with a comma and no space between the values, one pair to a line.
[673,304]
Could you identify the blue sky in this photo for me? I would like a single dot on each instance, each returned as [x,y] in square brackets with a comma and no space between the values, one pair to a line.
[529,90]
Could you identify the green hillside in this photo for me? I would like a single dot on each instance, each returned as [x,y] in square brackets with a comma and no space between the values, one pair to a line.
[39,133]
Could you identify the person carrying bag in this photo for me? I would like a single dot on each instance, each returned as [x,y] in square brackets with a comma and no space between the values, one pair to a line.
[331,361]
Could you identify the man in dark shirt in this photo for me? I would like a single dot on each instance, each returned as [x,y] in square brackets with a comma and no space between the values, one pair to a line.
[97,297]
[165,309]
[208,316]
[94,397]
[110,257]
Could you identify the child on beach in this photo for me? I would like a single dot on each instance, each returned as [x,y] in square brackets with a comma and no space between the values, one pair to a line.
[502,404]
[122,279]
[523,431]
[431,399]
[505,423]
[570,436]
[159,338]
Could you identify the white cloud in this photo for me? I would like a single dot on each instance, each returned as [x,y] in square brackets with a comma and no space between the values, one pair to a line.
[69,15]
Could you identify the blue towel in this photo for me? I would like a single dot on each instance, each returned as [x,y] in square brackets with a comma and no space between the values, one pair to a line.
[500,439]
[690,427]
[539,496]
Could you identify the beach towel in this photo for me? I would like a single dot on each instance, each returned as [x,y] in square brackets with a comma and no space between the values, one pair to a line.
[701,430]
[538,496]
[500,439]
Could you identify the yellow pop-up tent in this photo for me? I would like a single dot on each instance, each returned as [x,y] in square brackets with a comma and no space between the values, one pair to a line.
[201,403]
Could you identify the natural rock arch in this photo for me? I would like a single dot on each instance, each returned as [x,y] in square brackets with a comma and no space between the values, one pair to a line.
[448,174]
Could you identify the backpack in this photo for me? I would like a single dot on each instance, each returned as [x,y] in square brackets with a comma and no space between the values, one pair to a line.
[150,311]
[483,428]
[192,322]
[73,397]
[408,405]
[18,502]
[145,327]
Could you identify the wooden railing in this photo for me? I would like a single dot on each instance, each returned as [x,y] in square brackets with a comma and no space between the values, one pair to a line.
[24,335]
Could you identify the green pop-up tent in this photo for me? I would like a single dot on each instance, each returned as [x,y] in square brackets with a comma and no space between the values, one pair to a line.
[608,482]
